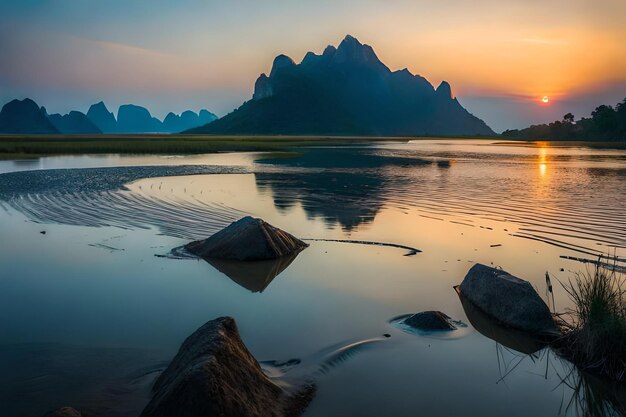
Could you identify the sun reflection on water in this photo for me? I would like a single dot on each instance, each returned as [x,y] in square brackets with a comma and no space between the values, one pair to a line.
[543,159]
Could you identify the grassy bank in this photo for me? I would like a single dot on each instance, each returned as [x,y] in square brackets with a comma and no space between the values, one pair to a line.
[32,146]
[27,146]
[595,329]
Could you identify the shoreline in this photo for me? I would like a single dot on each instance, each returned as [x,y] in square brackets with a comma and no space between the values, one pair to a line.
[34,146]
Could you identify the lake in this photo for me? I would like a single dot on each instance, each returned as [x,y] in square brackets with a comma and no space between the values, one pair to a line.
[89,314]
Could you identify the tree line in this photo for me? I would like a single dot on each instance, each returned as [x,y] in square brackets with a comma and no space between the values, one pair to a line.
[607,123]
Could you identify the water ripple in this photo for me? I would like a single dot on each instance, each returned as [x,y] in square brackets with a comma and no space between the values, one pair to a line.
[97,197]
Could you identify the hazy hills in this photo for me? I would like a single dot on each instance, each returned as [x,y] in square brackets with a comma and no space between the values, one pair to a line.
[102,118]
[26,117]
[347,91]
[73,122]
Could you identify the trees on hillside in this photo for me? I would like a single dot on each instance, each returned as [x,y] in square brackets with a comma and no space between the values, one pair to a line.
[606,123]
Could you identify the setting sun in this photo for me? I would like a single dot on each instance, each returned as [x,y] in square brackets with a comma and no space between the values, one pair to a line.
[545,99]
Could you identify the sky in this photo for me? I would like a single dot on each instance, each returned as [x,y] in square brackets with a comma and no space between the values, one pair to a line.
[501,57]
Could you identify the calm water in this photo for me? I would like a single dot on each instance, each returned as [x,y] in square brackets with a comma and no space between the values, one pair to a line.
[88,313]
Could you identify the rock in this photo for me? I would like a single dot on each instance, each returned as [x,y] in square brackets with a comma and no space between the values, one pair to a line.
[430,321]
[247,239]
[214,374]
[64,412]
[517,340]
[509,300]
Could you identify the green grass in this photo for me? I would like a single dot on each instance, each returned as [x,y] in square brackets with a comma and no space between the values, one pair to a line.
[32,146]
[595,335]
[28,146]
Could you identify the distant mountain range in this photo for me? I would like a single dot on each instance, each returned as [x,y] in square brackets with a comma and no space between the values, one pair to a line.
[347,91]
[73,122]
[26,117]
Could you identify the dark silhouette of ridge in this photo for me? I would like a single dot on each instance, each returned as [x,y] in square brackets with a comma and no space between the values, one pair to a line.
[186,120]
[73,122]
[347,91]
[25,117]
[102,118]
[205,116]
[137,119]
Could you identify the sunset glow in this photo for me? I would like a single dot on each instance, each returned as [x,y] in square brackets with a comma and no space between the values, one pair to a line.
[196,54]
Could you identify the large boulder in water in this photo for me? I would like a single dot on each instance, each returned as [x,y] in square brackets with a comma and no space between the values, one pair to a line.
[517,340]
[214,374]
[247,239]
[509,300]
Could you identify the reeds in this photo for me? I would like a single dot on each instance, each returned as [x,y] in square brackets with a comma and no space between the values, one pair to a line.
[595,334]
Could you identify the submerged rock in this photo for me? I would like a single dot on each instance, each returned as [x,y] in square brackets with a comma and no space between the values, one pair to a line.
[509,300]
[64,412]
[247,239]
[214,374]
[430,321]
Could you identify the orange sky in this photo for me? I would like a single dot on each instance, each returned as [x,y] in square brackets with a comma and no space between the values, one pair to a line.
[167,55]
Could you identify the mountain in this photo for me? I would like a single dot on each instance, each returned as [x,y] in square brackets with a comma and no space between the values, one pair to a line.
[205,117]
[25,117]
[137,119]
[102,118]
[347,91]
[73,122]
[174,123]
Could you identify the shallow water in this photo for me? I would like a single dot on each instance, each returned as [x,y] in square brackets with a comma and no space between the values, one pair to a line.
[91,283]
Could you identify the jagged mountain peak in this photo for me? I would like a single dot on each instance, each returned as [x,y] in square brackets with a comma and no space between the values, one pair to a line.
[100,115]
[281,62]
[445,90]
[99,106]
[329,51]
[350,41]
[352,51]
[347,90]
